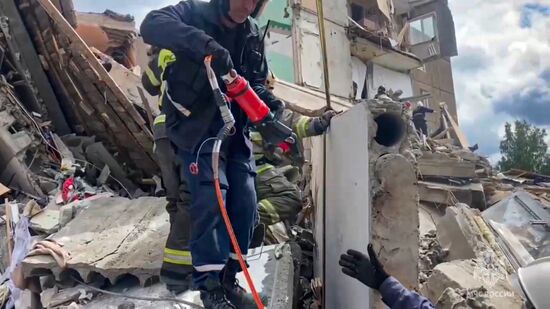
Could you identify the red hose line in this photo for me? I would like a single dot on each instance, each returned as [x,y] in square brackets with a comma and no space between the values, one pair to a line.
[235,244]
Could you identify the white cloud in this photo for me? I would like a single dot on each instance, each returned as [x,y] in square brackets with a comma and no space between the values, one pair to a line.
[497,59]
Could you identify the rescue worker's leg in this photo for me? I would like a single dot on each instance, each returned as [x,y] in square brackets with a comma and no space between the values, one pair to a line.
[242,210]
[165,157]
[278,198]
[176,266]
[209,238]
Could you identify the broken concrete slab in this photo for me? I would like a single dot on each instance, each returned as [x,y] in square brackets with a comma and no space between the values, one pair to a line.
[472,275]
[463,232]
[271,267]
[446,167]
[471,194]
[112,237]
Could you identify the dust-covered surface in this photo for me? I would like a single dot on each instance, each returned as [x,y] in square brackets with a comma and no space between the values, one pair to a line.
[112,237]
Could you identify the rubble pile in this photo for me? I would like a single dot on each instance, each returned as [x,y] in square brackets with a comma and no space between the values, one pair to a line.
[431,254]
[81,203]
[484,222]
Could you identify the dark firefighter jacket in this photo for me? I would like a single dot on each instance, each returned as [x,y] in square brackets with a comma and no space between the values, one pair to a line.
[185,29]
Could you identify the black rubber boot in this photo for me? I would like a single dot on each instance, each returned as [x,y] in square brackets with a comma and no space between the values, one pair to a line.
[175,282]
[216,299]
[236,293]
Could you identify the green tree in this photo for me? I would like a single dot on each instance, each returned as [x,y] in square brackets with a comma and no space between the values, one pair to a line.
[523,147]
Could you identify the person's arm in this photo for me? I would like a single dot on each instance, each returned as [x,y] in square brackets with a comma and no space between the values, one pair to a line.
[370,272]
[150,78]
[396,296]
[427,110]
[168,28]
[305,126]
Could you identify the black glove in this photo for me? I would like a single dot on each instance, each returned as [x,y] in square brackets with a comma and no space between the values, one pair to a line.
[277,107]
[369,271]
[322,123]
[274,132]
[221,59]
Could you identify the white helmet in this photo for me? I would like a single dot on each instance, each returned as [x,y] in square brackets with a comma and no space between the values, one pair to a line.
[419,104]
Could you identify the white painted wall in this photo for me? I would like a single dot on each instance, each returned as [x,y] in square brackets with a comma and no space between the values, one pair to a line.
[378,75]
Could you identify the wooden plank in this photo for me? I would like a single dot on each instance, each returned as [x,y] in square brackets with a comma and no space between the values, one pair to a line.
[4,189]
[463,141]
[29,56]
[446,168]
[66,29]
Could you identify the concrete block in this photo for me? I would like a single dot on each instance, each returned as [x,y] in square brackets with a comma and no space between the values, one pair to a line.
[395,221]
[474,278]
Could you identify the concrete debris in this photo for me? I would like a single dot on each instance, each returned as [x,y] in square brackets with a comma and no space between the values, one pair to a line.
[271,267]
[99,244]
[54,297]
[460,233]
[473,281]
[431,255]
[464,299]
[47,221]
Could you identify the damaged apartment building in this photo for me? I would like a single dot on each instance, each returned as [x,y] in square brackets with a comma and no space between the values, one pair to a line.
[405,46]
[83,212]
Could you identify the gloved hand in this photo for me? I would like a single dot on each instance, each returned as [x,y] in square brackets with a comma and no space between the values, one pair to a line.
[277,107]
[369,271]
[322,123]
[274,132]
[221,59]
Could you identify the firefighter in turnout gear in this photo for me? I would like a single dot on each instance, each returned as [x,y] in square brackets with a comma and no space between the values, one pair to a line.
[176,266]
[223,29]
[279,197]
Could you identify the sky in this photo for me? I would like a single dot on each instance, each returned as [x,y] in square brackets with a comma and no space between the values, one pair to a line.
[502,72]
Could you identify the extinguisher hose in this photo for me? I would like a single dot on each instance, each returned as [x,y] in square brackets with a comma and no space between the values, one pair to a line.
[227,221]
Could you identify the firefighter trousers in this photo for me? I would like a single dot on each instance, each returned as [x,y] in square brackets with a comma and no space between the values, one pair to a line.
[176,265]
[210,244]
[278,198]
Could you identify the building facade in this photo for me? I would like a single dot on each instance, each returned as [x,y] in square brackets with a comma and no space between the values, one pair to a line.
[402,45]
